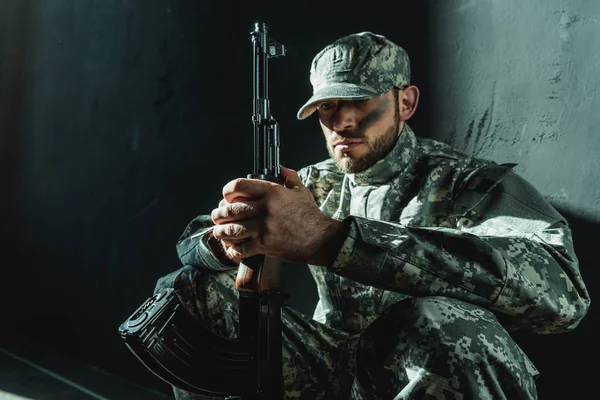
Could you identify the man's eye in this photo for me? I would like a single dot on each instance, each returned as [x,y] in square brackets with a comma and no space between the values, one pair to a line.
[326,106]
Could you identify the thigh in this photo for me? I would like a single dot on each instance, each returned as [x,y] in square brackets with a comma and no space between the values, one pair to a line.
[440,348]
[318,361]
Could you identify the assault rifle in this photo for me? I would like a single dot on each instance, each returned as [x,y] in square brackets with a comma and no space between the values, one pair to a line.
[258,278]
[182,351]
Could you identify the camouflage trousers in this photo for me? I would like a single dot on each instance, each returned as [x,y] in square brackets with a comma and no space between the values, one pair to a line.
[420,348]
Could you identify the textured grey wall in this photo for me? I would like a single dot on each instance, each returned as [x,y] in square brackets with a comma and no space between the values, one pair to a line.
[517,81]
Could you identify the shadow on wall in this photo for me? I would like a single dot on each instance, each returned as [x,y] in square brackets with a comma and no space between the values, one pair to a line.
[568,362]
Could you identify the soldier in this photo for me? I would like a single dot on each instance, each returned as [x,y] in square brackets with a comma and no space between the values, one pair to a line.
[426,259]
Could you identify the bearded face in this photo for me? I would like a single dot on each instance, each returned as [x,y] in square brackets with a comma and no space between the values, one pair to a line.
[360,133]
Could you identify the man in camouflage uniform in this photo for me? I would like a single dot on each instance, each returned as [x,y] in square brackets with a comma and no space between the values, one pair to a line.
[425,258]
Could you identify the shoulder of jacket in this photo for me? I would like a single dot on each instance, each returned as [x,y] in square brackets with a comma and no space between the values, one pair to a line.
[518,192]
[448,164]
[435,152]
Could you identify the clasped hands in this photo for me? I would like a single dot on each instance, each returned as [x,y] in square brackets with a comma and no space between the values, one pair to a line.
[283,222]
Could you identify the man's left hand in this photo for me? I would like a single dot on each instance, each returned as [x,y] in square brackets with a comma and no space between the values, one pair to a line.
[284,222]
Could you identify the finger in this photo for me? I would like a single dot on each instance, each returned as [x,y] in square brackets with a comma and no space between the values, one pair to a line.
[290,177]
[243,250]
[245,188]
[234,231]
[227,243]
[224,203]
[234,212]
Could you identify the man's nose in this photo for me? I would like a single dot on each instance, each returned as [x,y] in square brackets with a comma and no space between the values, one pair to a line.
[344,117]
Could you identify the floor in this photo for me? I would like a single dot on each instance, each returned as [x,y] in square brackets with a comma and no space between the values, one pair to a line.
[33,372]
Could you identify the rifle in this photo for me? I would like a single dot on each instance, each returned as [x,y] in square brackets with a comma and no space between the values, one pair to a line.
[258,278]
[182,351]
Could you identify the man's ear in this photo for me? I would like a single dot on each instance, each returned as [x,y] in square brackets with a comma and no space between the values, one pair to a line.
[408,99]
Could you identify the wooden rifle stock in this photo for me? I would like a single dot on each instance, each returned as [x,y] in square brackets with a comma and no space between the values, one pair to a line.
[258,274]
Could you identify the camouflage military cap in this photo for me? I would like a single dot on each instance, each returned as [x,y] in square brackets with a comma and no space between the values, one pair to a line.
[357,66]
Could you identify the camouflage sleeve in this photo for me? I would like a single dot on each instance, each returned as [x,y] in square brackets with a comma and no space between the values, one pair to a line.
[196,246]
[508,250]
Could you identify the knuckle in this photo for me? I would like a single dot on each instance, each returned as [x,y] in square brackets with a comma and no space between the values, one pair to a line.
[237,209]
[227,211]
[231,210]
[214,214]
[237,183]
[234,230]
[230,230]
[224,212]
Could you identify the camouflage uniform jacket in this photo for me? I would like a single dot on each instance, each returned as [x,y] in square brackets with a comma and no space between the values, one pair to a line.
[428,220]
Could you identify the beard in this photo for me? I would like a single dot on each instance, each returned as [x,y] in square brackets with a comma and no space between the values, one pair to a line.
[378,148]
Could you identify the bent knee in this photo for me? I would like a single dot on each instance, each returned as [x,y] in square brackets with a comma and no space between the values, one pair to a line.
[458,342]
[444,330]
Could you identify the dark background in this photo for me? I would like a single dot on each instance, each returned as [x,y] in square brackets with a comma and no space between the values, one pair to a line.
[121,120]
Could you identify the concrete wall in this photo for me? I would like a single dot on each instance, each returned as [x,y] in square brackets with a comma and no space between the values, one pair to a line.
[517,81]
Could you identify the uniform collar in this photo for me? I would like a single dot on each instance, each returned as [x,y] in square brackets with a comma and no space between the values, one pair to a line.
[397,160]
